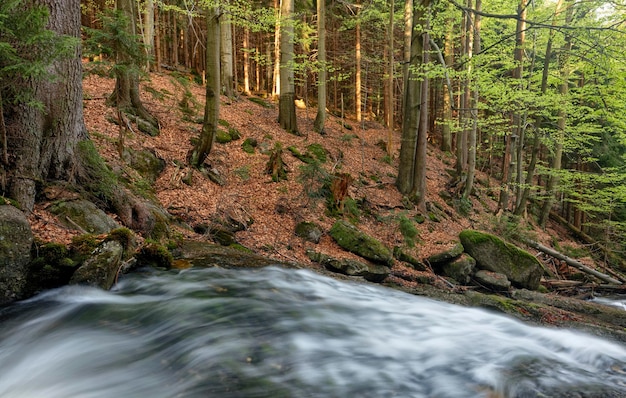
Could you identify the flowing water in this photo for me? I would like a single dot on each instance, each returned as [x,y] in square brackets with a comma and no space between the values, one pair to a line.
[275,332]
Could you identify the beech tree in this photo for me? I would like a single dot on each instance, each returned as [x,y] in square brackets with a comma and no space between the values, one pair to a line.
[286,104]
[320,118]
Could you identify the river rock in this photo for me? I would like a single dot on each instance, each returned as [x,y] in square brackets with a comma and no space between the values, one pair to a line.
[492,281]
[403,256]
[146,162]
[446,256]
[370,272]
[350,238]
[309,231]
[85,215]
[460,269]
[16,239]
[493,254]
[101,268]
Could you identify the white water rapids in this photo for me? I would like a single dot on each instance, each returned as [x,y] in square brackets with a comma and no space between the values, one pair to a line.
[275,332]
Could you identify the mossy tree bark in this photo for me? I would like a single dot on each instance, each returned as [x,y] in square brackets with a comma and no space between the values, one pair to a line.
[49,142]
[203,146]
[286,105]
[126,93]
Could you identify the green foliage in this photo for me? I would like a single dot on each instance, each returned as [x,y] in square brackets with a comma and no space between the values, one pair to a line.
[103,181]
[248,145]
[315,180]
[408,230]
[243,172]
[27,48]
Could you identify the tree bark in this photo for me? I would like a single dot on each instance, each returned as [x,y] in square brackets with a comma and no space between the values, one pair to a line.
[446,134]
[357,69]
[148,32]
[286,104]
[203,147]
[390,97]
[226,56]
[320,118]
[246,60]
[471,160]
[126,93]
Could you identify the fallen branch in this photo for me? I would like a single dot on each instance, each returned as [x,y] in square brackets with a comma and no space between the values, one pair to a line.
[573,263]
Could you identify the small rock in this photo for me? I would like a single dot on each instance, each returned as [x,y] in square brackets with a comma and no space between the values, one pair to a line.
[492,281]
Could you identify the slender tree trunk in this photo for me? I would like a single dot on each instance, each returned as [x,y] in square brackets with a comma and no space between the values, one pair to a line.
[226,56]
[390,96]
[320,118]
[246,60]
[446,134]
[357,69]
[418,191]
[277,50]
[157,40]
[471,161]
[203,147]
[286,104]
[148,32]
[461,138]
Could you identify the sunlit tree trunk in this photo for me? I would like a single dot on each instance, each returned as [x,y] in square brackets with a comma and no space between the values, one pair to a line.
[148,31]
[286,104]
[246,61]
[226,56]
[357,69]
[320,118]
[277,44]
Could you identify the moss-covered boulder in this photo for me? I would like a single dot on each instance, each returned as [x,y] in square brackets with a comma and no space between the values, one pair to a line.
[350,238]
[460,269]
[309,231]
[493,254]
[146,162]
[370,272]
[16,239]
[403,256]
[446,256]
[101,268]
[82,214]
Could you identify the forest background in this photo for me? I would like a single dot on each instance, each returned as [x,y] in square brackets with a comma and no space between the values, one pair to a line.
[530,94]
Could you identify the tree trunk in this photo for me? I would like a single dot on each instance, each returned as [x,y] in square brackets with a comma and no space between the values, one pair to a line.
[286,104]
[412,101]
[471,160]
[320,118]
[390,102]
[226,56]
[148,32]
[553,180]
[203,147]
[277,47]
[446,134]
[246,60]
[357,69]
[126,93]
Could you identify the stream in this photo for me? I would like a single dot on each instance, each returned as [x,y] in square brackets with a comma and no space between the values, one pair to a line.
[275,332]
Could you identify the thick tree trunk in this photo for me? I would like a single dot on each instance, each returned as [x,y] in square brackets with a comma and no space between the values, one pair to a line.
[42,140]
[412,101]
[320,118]
[204,145]
[286,104]
[148,32]
[277,48]
[357,69]
[389,107]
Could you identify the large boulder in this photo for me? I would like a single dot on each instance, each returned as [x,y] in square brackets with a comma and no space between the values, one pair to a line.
[493,254]
[350,238]
[82,214]
[16,239]
[460,269]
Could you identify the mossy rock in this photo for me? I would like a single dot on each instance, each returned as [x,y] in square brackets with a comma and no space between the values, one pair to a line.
[401,255]
[16,239]
[309,231]
[493,254]
[249,144]
[154,255]
[350,238]
[223,236]
[84,215]
[370,272]
[446,256]
[101,268]
[492,281]
[146,162]
[52,266]
[222,137]
[260,101]
[460,269]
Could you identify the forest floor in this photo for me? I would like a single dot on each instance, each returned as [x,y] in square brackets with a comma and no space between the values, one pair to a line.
[276,207]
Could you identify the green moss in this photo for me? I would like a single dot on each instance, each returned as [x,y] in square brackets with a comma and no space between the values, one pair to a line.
[317,151]
[84,244]
[125,237]
[408,230]
[240,247]
[103,181]
[223,122]
[261,102]
[249,144]
[222,137]
[355,241]
[155,255]
[8,201]
[234,133]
